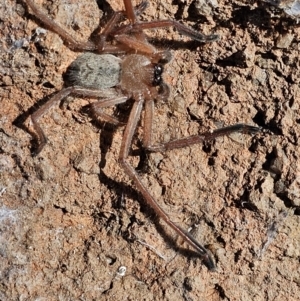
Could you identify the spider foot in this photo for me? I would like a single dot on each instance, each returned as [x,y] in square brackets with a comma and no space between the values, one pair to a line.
[247,129]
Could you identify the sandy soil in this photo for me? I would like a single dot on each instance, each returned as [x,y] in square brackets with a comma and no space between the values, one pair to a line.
[72,226]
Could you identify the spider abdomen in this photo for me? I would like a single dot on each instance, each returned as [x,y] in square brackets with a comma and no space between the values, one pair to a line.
[94,71]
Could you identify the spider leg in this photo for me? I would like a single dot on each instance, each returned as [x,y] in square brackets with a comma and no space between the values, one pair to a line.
[53,26]
[148,121]
[104,103]
[130,11]
[72,43]
[110,99]
[133,37]
[115,18]
[185,30]
[138,44]
[131,172]
[111,24]
[137,27]
[191,140]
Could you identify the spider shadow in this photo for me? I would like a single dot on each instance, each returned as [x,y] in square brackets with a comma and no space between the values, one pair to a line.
[20,120]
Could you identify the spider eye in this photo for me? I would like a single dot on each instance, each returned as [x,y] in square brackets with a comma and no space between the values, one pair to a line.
[157,79]
[158,69]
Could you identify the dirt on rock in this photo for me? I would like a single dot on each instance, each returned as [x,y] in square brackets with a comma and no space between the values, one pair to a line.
[72,225]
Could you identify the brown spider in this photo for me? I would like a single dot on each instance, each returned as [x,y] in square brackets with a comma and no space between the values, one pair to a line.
[121,65]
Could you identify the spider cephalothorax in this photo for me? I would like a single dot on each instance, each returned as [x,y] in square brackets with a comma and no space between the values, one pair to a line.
[121,65]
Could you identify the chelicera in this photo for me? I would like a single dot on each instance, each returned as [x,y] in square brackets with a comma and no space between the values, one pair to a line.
[119,65]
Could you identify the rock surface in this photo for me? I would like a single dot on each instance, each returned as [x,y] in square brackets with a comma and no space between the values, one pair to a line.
[72,226]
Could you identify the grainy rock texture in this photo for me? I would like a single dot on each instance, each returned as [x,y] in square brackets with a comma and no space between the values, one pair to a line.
[70,220]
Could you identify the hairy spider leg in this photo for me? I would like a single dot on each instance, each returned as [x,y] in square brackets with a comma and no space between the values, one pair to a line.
[81,46]
[53,26]
[185,30]
[115,18]
[130,12]
[178,143]
[132,173]
[109,100]
[120,32]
